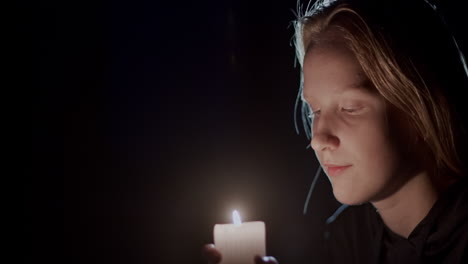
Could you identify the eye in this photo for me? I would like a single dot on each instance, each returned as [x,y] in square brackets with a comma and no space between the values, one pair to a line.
[351,110]
[314,113]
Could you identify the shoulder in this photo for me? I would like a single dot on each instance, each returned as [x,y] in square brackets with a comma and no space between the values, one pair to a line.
[447,241]
[448,245]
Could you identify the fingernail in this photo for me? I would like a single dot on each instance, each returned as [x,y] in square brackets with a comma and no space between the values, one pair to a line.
[269,259]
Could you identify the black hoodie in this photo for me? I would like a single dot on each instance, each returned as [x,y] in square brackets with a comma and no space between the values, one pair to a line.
[358,234]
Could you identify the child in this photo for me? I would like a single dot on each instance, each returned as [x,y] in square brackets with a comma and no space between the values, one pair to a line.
[381,96]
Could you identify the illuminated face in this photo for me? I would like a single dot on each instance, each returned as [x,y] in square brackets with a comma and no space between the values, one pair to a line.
[354,130]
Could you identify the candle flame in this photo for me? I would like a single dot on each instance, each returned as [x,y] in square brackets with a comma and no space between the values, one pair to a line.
[236,218]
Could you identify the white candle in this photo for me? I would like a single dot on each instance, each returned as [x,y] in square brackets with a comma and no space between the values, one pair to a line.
[240,242]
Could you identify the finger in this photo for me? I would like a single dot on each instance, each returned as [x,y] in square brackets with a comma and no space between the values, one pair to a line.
[265,260]
[211,254]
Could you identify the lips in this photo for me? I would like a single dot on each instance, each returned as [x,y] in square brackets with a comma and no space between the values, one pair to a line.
[334,170]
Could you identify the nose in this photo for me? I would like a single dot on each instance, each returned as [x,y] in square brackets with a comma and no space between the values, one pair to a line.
[323,138]
[323,141]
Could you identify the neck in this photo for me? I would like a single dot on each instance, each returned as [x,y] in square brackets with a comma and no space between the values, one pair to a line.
[406,208]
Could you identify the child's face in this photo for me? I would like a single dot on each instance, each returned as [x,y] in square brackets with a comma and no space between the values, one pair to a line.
[351,127]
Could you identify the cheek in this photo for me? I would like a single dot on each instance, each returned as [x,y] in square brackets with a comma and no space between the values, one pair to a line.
[373,150]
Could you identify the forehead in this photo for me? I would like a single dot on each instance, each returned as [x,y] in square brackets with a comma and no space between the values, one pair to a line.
[332,68]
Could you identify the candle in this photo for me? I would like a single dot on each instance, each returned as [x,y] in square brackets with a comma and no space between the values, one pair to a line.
[240,242]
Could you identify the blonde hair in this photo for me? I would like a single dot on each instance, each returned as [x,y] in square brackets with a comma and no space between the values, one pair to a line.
[394,76]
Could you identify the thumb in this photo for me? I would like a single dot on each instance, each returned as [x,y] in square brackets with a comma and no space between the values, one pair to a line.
[265,260]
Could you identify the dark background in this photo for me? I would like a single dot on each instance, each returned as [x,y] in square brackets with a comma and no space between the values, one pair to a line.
[152,121]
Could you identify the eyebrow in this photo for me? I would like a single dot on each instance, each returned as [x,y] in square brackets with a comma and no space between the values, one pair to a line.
[362,85]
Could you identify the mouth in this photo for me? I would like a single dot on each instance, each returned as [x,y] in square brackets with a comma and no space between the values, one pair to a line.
[333,170]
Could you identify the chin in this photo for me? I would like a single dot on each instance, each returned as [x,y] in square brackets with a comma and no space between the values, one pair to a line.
[349,198]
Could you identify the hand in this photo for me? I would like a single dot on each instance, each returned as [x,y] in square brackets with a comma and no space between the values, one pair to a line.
[213,256]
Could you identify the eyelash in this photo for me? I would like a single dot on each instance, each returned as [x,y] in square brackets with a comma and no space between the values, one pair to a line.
[312,113]
[348,110]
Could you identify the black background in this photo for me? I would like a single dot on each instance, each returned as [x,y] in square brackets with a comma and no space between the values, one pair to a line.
[152,121]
